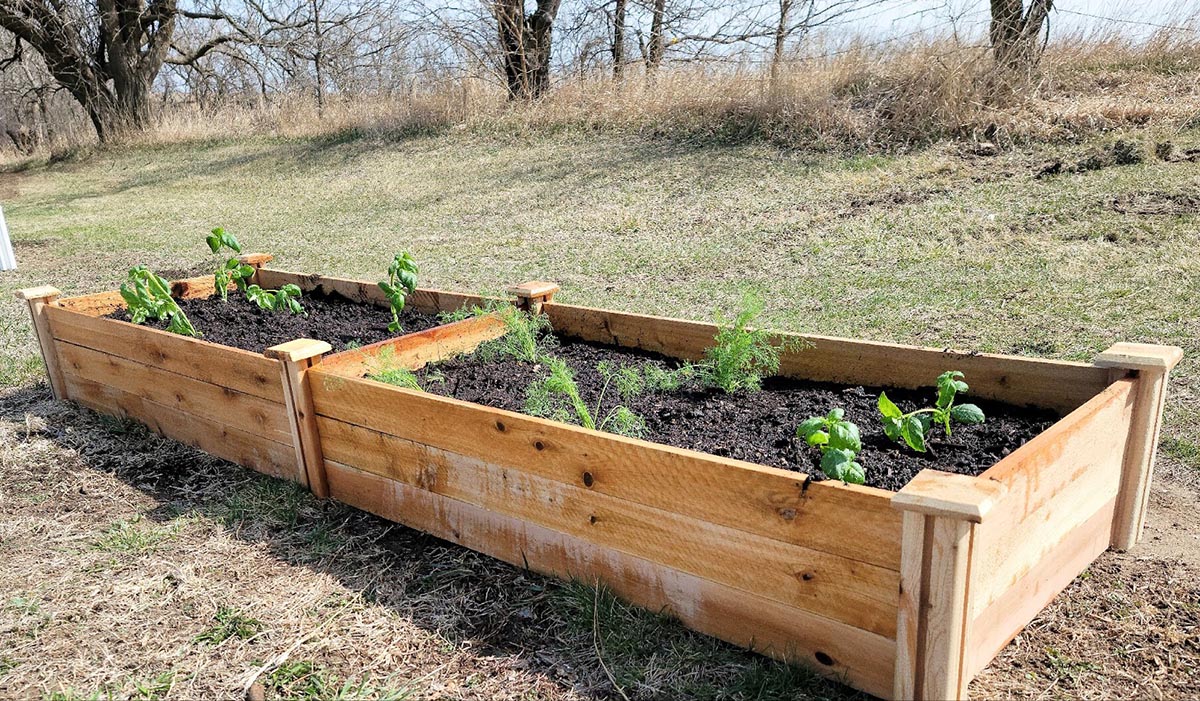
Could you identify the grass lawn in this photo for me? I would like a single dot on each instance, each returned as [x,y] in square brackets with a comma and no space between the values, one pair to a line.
[937,247]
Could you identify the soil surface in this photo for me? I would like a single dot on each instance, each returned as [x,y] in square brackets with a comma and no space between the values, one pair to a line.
[756,427]
[332,318]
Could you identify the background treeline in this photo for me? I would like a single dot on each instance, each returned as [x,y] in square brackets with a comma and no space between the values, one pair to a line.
[793,71]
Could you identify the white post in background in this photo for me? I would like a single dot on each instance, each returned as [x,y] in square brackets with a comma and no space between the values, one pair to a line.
[7,260]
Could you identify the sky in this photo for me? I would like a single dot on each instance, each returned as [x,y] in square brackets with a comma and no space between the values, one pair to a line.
[968,16]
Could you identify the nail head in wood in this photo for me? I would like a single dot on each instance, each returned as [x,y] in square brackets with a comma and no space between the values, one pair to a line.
[256,259]
[300,349]
[32,293]
[1140,356]
[947,494]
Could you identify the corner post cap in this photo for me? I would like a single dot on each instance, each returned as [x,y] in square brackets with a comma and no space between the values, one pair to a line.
[938,493]
[534,290]
[1140,356]
[300,349]
[35,293]
[256,259]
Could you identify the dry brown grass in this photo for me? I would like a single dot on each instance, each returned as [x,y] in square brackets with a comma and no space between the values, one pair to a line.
[869,96]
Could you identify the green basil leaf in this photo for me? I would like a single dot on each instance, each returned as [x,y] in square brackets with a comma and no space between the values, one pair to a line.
[817,438]
[810,426]
[913,430]
[888,408]
[967,414]
[834,462]
[844,435]
[891,428]
[836,414]
[854,473]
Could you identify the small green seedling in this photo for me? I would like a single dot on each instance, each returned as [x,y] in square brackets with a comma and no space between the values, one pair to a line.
[740,358]
[232,270]
[557,397]
[913,428]
[839,443]
[401,282]
[528,337]
[148,296]
[632,381]
[286,298]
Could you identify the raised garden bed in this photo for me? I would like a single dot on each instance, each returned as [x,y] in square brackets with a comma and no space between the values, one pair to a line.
[904,594]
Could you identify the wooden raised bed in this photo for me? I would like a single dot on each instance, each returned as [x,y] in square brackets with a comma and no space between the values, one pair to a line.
[901,594]
[238,405]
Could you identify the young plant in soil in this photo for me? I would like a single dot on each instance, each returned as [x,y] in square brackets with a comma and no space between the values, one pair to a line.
[149,297]
[401,282]
[740,358]
[913,428]
[631,381]
[839,443]
[384,369]
[286,298]
[528,337]
[557,397]
[232,270]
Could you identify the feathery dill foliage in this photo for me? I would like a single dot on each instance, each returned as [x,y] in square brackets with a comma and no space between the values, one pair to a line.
[384,368]
[529,337]
[632,381]
[741,357]
[557,397]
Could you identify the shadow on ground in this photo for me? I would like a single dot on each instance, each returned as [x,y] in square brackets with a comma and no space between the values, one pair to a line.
[589,645]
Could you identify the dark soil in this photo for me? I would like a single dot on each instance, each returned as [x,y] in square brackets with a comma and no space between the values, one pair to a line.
[756,427]
[332,318]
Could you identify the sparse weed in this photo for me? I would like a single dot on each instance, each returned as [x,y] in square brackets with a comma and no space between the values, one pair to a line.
[632,381]
[229,623]
[127,537]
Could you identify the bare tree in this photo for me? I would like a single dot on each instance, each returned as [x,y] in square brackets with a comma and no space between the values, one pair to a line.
[525,45]
[105,53]
[1015,30]
[620,15]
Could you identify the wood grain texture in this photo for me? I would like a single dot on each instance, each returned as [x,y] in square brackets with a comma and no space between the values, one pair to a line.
[189,396]
[1052,384]
[423,300]
[1007,616]
[416,350]
[234,368]
[812,580]
[760,500]
[295,362]
[938,493]
[908,614]
[1055,482]
[859,658]
[40,301]
[213,437]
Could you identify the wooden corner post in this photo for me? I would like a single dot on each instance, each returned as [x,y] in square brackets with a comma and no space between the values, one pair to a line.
[295,358]
[941,512]
[1150,365]
[38,299]
[531,296]
[258,260]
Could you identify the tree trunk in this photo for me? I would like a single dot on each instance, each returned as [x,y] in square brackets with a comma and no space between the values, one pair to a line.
[781,34]
[525,46]
[618,45]
[1014,32]
[657,48]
